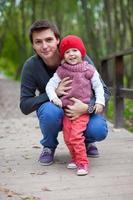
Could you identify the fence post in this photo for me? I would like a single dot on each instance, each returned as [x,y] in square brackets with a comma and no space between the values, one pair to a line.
[118,101]
[104,70]
[105,77]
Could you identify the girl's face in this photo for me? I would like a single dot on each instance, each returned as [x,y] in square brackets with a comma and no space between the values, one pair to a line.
[73,56]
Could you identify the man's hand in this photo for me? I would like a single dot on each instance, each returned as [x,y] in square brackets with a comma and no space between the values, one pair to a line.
[63,87]
[77,109]
[98,108]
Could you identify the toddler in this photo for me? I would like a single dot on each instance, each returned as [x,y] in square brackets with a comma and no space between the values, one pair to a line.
[84,78]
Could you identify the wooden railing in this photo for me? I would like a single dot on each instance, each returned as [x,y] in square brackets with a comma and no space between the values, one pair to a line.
[117,85]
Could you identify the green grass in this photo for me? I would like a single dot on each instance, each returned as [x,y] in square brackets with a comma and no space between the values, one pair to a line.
[128,113]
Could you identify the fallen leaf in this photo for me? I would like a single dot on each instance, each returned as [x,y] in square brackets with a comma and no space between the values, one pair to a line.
[9,169]
[32,173]
[9,192]
[46,189]
[5,190]
[30,198]
[41,173]
[26,156]
[36,147]
[38,173]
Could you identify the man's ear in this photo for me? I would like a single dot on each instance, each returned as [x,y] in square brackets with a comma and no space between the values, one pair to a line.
[58,41]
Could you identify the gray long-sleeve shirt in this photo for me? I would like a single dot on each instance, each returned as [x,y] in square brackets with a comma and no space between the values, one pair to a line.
[34,76]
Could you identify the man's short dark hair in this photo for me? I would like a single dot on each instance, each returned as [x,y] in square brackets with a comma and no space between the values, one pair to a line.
[40,25]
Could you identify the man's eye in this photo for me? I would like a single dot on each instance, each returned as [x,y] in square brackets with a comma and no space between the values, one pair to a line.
[49,39]
[38,42]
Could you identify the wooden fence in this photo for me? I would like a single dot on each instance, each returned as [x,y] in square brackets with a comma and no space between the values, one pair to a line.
[117,83]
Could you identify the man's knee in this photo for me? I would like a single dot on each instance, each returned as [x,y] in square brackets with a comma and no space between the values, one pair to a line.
[49,111]
[97,128]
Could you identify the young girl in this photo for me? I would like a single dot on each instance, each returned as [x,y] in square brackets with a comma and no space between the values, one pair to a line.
[84,78]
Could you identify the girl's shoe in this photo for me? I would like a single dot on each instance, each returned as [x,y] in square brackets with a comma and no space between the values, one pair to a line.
[82,169]
[72,165]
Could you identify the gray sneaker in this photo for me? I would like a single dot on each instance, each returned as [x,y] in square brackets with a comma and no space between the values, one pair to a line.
[46,157]
[92,151]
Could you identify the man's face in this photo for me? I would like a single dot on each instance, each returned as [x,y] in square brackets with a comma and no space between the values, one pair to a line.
[45,43]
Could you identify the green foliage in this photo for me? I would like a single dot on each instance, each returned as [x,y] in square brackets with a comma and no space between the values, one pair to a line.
[128,113]
[105,26]
[7,67]
[110,110]
[96,21]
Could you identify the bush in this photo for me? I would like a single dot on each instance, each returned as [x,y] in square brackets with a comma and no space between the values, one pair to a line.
[128,113]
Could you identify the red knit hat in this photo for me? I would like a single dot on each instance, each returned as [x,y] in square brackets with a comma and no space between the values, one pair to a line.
[72,41]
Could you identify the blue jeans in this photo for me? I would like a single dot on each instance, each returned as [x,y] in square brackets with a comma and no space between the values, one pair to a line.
[51,117]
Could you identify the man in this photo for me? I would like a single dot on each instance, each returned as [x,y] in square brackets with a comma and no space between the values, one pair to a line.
[36,72]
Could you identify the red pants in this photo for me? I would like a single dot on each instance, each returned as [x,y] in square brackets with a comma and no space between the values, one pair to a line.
[74,138]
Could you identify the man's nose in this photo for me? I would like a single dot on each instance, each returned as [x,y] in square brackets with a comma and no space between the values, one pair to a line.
[44,45]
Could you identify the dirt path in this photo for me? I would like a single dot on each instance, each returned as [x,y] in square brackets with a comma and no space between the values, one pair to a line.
[9,99]
[22,178]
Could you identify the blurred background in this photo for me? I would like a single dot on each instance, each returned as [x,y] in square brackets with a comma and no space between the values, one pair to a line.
[106,26]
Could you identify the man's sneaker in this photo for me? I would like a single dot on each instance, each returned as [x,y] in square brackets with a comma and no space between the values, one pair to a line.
[82,169]
[71,165]
[92,151]
[46,157]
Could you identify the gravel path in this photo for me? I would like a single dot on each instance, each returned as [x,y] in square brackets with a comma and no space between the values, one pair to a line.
[9,99]
[22,178]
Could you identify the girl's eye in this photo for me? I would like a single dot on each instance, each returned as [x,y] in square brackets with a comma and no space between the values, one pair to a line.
[67,52]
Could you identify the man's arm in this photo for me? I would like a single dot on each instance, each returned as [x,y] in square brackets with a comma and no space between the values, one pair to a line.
[29,102]
[107,92]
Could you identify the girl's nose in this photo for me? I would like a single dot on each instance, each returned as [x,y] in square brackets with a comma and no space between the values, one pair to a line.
[71,52]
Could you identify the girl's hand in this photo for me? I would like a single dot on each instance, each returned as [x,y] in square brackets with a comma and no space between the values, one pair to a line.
[98,108]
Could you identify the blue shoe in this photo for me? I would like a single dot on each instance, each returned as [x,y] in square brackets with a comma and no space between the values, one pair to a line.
[92,151]
[46,157]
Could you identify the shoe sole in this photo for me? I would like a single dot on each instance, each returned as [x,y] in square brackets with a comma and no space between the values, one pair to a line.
[68,167]
[82,174]
[46,164]
[93,156]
